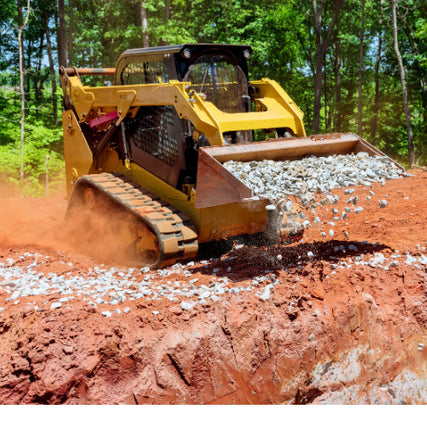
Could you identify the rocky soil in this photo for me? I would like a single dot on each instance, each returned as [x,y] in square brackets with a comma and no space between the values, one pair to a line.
[340,317]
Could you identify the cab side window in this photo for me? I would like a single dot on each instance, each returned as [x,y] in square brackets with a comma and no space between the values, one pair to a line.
[144,73]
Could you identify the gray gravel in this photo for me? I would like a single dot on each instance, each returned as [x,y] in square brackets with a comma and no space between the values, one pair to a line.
[277,180]
[113,286]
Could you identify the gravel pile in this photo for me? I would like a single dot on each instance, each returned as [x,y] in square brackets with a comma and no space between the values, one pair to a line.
[277,180]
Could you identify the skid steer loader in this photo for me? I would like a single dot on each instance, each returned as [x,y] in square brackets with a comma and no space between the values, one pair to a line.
[147,150]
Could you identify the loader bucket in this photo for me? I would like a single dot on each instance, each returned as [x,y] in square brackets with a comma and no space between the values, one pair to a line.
[217,186]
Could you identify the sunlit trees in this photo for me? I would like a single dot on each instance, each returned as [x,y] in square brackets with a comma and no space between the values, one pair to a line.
[342,71]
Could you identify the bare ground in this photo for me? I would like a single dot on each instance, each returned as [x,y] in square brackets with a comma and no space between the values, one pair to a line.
[332,319]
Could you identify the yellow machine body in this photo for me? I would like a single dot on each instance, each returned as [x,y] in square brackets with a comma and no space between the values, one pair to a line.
[217,203]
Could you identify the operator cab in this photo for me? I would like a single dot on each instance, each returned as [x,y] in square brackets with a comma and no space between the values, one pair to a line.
[160,141]
[218,72]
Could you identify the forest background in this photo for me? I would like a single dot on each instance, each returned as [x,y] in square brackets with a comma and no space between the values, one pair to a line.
[336,58]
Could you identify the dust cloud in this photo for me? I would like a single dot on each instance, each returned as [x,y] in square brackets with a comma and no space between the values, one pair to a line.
[39,223]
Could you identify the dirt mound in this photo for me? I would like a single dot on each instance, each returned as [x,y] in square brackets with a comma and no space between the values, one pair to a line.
[338,318]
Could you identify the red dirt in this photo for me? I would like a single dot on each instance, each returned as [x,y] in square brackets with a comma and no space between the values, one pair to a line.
[321,333]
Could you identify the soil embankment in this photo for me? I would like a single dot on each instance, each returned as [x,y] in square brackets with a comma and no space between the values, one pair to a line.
[338,318]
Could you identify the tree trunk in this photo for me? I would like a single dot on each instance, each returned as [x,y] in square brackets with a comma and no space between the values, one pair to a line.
[37,78]
[319,64]
[52,69]
[22,23]
[70,32]
[377,75]
[360,104]
[331,110]
[317,91]
[28,52]
[62,35]
[404,88]
[144,23]
[167,11]
[337,67]
[321,47]
[325,97]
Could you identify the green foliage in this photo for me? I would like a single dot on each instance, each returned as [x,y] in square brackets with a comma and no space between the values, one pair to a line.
[283,40]
[42,148]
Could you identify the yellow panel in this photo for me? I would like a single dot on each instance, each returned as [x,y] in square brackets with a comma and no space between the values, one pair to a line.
[267,88]
[273,117]
[78,157]
[232,220]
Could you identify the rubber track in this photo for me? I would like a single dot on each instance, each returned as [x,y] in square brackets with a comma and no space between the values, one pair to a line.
[175,233]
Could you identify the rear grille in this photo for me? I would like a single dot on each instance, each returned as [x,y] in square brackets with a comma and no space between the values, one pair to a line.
[151,131]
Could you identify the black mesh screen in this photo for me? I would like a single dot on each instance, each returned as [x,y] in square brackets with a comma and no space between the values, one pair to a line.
[152,131]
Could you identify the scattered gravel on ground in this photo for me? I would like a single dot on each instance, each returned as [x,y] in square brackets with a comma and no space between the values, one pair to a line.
[112,286]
